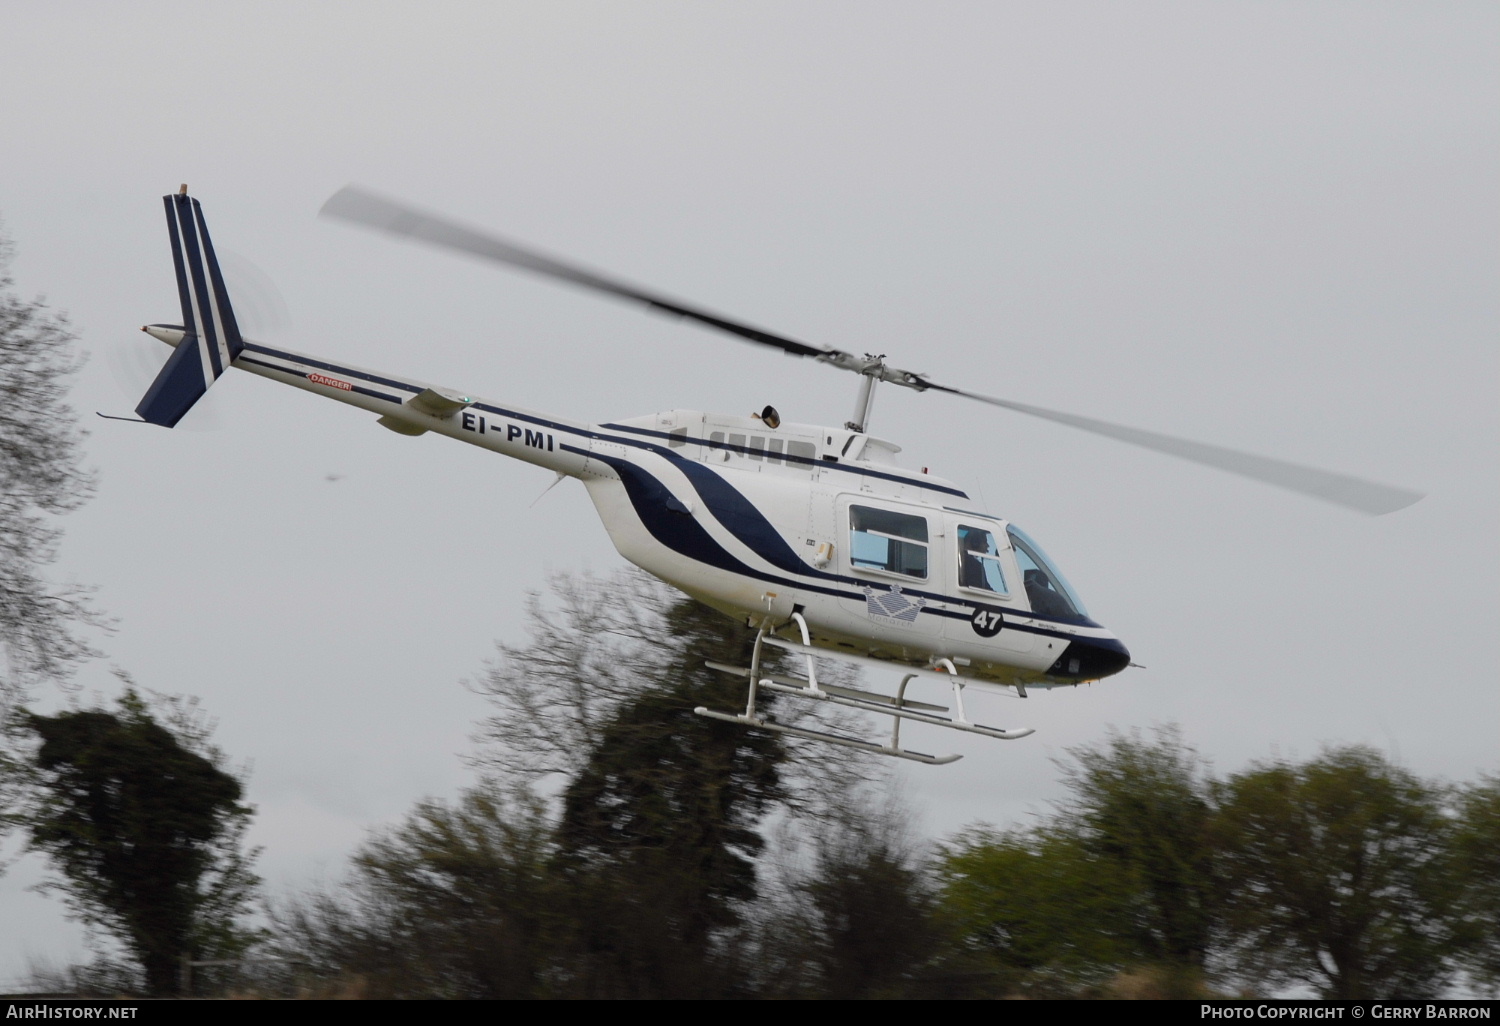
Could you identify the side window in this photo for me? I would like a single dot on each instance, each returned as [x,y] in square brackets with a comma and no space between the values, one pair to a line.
[678,438]
[882,539]
[979,564]
[801,454]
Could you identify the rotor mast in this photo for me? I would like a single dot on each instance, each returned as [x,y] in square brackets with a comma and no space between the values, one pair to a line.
[870,375]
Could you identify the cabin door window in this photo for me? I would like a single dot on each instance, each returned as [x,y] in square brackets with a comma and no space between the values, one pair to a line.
[891,542]
[980,566]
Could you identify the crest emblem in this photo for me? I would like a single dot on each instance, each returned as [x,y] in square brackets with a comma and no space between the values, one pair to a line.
[891,606]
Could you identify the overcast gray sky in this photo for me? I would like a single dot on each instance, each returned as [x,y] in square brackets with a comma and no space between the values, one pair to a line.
[1271,226]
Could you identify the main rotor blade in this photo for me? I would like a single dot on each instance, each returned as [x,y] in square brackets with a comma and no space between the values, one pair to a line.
[354,204]
[1342,489]
[366,208]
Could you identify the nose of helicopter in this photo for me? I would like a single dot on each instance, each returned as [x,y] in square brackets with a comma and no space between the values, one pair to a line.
[1090,659]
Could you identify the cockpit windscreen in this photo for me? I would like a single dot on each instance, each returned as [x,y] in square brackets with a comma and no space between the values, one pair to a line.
[1047,590]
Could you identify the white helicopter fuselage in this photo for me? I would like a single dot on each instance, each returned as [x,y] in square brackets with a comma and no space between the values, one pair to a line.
[764,522]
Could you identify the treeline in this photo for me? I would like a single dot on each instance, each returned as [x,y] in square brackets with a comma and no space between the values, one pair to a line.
[1343,875]
[677,857]
[618,846]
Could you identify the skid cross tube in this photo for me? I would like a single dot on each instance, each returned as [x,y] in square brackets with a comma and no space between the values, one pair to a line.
[898,707]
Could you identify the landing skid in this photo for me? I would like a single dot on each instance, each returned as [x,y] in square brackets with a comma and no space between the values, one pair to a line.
[898,707]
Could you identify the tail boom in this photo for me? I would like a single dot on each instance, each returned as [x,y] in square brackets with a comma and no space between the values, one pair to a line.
[412,407]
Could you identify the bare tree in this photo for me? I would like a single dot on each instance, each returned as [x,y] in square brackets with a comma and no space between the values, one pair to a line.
[593,647]
[41,477]
[660,814]
[596,644]
[453,902]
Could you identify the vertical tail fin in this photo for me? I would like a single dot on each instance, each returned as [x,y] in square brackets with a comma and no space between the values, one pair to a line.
[211,339]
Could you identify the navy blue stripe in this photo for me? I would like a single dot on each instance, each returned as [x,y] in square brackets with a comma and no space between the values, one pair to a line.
[231,327]
[572,429]
[742,519]
[787,458]
[194,258]
[188,324]
[1010,624]
[971,513]
[302,374]
[201,286]
[321,365]
[679,532]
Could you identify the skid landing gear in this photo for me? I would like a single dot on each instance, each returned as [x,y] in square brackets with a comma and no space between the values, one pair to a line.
[896,706]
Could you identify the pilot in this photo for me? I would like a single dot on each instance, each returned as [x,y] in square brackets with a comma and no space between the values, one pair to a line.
[1043,598]
[971,569]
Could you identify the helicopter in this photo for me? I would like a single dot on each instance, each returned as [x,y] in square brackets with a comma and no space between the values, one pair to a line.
[812,535]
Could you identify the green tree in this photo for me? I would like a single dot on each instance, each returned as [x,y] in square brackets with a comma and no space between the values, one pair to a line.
[41,477]
[1142,808]
[1477,847]
[1036,911]
[1118,880]
[658,831]
[145,831]
[1337,874]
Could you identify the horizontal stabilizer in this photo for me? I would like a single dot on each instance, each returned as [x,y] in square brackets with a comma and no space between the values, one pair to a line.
[401,427]
[439,404]
[177,387]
